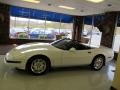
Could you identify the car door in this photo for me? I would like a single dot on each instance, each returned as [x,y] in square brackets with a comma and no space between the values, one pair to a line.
[77,56]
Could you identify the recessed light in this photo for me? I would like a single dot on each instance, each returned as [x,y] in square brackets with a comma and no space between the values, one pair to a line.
[109,5]
[49,4]
[95,1]
[32,1]
[81,10]
[66,7]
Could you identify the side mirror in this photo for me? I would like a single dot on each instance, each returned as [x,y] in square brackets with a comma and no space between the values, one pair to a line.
[72,49]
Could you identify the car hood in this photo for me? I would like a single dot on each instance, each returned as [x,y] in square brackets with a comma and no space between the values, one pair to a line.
[33,45]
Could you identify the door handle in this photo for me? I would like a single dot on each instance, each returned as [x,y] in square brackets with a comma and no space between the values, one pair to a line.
[89,52]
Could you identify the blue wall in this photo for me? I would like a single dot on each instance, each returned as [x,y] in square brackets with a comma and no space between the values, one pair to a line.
[40,14]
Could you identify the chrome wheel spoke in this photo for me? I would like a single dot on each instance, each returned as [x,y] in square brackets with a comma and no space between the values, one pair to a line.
[38,66]
[98,63]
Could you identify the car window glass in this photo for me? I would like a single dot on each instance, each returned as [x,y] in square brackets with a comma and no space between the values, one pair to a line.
[66,44]
[63,44]
[78,46]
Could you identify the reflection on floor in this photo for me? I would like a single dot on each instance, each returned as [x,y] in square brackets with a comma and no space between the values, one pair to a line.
[80,78]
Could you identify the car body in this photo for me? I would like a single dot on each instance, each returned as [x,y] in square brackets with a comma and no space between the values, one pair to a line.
[40,33]
[36,32]
[21,33]
[64,52]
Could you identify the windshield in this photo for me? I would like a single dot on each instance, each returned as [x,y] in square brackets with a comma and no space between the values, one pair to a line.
[63,44]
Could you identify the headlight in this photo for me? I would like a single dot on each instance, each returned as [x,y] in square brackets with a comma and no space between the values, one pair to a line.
[8,56]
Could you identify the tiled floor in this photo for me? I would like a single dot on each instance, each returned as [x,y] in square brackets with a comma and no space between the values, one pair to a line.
[77,78]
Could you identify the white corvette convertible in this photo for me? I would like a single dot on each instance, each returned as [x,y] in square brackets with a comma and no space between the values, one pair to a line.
[37,58]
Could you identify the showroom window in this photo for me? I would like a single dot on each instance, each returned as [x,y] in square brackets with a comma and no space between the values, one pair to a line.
[25,28]
[26,23]
[66,30]
[90,34]
[116,42]
[52,29]
[36,29]
[19,28]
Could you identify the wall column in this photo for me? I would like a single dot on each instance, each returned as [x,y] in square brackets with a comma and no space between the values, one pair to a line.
[4,23]
[107,27]
[77,28]
[5,28]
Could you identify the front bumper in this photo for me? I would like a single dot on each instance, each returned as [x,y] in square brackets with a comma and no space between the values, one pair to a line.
[14,64]
[13,61]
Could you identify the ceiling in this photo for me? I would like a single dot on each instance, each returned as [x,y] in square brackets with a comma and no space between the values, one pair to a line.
[83,7]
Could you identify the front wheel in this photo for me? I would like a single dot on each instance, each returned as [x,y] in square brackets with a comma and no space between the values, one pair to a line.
[98,63]
[37,66]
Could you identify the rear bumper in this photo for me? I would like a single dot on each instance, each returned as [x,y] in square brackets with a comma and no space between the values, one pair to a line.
[109,58]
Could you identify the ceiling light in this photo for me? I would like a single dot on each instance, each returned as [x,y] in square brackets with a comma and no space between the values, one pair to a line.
[32,1]
[95,1]
[66,7]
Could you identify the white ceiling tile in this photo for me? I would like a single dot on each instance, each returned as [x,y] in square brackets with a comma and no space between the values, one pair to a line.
[83,7]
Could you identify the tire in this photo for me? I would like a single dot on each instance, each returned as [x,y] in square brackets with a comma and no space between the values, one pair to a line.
[98,62]
[37,66]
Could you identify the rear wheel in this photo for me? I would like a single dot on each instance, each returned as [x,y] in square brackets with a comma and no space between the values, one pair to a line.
[37,66]
[98,63]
